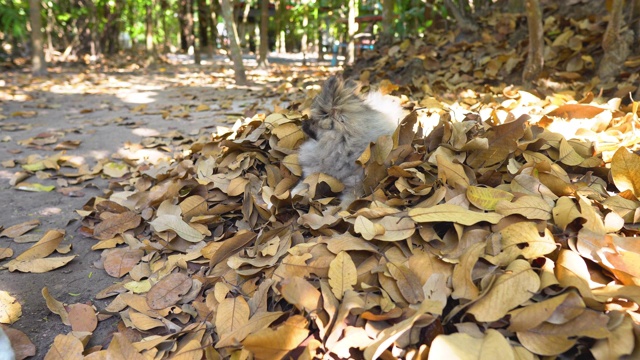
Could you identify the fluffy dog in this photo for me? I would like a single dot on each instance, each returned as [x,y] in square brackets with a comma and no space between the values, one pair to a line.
[341,126]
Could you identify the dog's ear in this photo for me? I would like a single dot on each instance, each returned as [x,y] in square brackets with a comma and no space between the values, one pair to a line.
[336,96]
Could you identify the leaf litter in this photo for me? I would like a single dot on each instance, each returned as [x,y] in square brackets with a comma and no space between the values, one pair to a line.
[498,222]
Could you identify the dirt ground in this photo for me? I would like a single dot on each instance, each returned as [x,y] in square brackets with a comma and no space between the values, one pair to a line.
[106,112]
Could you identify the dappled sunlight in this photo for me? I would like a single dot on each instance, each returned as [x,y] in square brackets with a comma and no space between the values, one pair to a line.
[49,211]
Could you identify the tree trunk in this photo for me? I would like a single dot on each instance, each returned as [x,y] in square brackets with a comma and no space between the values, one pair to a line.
[615,46]
[386,37]
[192,36]
[149,29]
[304,41]
[203,25]
[39,65]
[535,57]
[281,28]
[352,27]
[215,11]
[264,34]
[234,43]
[183,15]
[463,21]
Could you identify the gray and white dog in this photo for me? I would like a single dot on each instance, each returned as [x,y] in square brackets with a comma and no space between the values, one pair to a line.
[341,126]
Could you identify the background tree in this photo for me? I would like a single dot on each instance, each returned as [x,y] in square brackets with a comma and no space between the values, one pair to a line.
[614,44]
[39,65]
[535,57]
[234,43]
[264,34]
[352,28]
[386,35]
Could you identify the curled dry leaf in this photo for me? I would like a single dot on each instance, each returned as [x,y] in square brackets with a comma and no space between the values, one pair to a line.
[20,229]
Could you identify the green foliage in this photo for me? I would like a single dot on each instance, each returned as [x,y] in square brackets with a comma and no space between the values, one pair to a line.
[13,18]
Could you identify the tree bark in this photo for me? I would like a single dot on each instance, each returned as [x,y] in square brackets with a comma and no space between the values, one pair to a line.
[635,25]
[264,34]
[39,65]
[215,11]
[615,46]
[149,29]
[463,21]
[192,36]
[352,27]
[535,57]
[386,36]
[281,41]
[234,43]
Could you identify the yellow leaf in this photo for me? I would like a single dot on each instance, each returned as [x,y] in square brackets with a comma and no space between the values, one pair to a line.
[487,198]
[625,171]
[517,285]
[452,213]
[342,274]
[367,228]
[462,346]
[233,313]
[10,308]
[65,347]
[275,344]
[531,207]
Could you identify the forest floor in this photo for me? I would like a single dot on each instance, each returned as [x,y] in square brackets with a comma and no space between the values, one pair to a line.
[92,117]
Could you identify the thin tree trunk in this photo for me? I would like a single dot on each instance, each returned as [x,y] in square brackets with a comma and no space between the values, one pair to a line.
[149,29]
[386,37]
[183,15]
[281,40]
[615,46]
[192,36]
[635,25]
[234,43]
[535,57]
[242,28]
[215,11]
[204,21]
[39,65]
[352,27]
[264,34]
[304,41]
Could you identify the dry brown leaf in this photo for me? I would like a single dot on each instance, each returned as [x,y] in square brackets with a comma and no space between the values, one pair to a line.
[56,307]
[22,345]
[168,291]
[342,274]
[65,347]
[20,229]
[517,285]
[232,314]
[39,266]
[43,248]
[300,293]
[452,213]
[625,171]
[177,225]
[466,347]
[121,348]
[275,344]
[486,198]
[116,224]
[82,317]
[118,262]
[10,308]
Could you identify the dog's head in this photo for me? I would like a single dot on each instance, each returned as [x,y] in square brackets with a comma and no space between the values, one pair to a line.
[335,108]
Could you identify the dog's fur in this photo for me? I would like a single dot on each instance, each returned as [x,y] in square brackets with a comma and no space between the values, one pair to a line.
[341,126]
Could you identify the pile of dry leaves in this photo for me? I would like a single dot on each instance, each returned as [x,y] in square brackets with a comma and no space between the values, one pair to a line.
[491,236]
